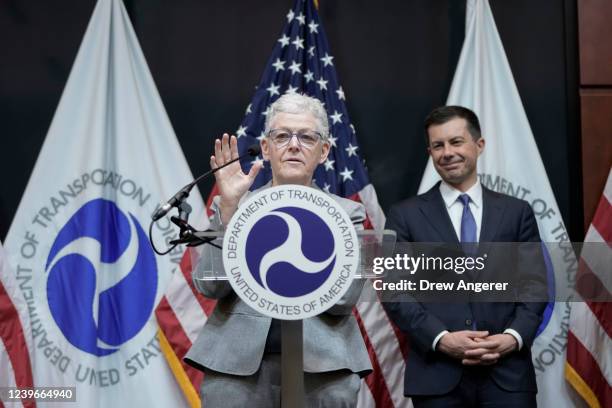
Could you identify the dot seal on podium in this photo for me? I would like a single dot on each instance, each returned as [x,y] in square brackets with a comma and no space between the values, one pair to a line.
[290,252]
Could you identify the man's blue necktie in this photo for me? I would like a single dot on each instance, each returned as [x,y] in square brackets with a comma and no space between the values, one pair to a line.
[468,232]
[468,223]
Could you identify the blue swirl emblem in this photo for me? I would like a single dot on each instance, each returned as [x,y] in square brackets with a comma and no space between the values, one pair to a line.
[290,251]
[102,278]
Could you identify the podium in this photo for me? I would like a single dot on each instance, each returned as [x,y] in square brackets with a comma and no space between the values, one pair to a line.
[209,268]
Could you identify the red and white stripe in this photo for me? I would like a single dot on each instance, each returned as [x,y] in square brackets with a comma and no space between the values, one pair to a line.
[182,312]
[15,334]
[589,355]
[384,342]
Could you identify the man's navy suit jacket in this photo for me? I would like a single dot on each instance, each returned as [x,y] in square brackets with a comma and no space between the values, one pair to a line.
[424,218]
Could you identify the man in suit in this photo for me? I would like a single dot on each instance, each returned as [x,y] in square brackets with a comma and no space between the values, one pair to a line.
[238,348]
[466,354]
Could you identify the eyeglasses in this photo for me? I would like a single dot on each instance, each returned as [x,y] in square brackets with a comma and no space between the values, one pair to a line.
[281,137]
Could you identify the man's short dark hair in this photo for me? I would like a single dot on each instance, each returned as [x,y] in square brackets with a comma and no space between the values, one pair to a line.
[443,114]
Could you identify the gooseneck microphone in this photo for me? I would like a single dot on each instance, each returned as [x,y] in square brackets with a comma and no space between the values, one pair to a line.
[253,151]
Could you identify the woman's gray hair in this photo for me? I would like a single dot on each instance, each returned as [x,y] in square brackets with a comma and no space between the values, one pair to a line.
[299,103]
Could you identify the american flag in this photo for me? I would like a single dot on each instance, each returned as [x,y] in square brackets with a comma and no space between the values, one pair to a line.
[589,339]
[301,62]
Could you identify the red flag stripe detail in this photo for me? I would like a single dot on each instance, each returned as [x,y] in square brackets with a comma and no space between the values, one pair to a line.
[401,337]
[177,338]
[585,365]
[13,337]
[589,286]
[172,328]
[602,221]
[603,312]
[375,381]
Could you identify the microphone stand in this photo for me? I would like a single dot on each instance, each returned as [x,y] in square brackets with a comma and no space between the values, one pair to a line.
[188,234]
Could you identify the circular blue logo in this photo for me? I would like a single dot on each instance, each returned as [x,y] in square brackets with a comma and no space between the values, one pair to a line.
[290,252]
[100,301]
[299,232]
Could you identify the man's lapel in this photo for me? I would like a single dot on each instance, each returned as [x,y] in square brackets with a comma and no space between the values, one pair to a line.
[435,212]
[492,214]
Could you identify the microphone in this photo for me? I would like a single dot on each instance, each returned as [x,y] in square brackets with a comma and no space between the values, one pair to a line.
[253,151]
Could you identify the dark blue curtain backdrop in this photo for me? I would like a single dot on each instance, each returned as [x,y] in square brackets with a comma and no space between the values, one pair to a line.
[395,60]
